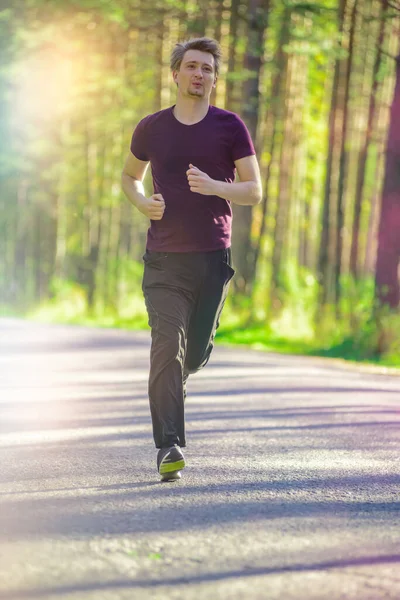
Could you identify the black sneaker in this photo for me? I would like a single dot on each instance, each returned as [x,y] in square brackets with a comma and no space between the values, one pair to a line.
[170,462]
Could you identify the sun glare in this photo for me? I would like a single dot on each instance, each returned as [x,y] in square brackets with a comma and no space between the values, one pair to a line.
[43,84]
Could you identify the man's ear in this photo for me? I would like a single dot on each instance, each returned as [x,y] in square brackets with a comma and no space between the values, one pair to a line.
[215,82]
[175,76]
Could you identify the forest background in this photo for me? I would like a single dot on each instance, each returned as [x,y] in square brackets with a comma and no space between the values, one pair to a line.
[318,85]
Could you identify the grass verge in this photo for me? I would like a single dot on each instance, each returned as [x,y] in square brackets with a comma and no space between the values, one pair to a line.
[292,332]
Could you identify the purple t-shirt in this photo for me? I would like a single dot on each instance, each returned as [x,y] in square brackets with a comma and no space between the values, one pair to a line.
[192,222]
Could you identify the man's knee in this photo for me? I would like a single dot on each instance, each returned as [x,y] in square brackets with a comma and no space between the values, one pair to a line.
[190,368]
[169,343]
[196,363]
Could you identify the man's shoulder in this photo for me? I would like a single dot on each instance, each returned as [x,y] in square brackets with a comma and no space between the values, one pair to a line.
[153,118]
[226,116]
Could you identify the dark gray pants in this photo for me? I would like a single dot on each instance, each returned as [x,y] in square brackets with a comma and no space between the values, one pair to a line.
[184,295]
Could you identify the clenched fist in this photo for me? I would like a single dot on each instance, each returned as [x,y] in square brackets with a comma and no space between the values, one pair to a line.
[200,182]
[154,207]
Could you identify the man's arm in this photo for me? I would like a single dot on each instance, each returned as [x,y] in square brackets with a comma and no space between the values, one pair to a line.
[131,182]
[247,191]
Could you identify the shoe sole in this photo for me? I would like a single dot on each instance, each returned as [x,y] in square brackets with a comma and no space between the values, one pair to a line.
[174,476]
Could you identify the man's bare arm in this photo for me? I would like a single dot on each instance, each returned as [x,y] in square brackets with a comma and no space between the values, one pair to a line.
[247,191]
[132,184]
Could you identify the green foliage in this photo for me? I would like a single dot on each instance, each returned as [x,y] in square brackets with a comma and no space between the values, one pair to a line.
[307,8]
[68,303]
[74,82]
[359,334]
[240,75]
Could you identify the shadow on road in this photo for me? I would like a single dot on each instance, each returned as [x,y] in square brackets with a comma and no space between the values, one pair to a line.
[131,509]
[203,578]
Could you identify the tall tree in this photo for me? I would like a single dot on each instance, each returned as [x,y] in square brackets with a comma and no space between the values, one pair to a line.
[344,90]
[328,237]
[387,265]
[284,125]
[257,23]
[233,40]
[361,173]
[273,131]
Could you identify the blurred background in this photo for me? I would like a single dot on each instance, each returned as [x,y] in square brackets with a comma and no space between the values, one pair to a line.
[315,83]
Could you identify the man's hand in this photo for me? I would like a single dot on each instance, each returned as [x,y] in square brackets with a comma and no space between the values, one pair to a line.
[200,182]
[153,207]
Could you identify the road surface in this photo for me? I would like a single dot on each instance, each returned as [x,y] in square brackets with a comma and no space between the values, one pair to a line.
[292,489]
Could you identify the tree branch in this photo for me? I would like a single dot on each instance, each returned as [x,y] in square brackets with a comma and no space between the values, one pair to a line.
[395,6]
[396,58]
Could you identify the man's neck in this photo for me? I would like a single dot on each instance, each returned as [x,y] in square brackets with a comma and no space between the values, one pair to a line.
[190,111]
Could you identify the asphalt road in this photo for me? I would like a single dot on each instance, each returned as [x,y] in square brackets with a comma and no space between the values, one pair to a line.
[291,490]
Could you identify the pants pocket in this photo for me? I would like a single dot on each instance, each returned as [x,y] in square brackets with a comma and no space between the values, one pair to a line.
[152,258]
[229,271]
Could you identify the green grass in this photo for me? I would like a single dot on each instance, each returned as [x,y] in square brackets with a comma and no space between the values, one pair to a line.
[290,331]
[260,338]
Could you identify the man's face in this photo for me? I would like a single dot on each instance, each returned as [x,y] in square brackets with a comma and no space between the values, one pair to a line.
[196,76]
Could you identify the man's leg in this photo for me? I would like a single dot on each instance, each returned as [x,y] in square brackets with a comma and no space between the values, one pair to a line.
[168,316]
[169,307]
[204,319]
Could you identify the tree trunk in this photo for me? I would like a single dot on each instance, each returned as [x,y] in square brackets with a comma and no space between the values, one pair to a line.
[328,217]
[271,128]
[284,185]
[21,243]
[354,253]
[197,27]
[298,207]
[343,163]
[242,215]
[38,234]
[233,25]
[158,63]
[387,277]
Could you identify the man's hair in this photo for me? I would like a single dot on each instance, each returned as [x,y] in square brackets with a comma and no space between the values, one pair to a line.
[203,44]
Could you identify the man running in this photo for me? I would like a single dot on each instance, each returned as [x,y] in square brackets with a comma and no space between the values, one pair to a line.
[194,150]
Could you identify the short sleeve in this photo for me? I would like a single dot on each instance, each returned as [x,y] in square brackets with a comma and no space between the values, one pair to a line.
[138,143]
[242,143]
